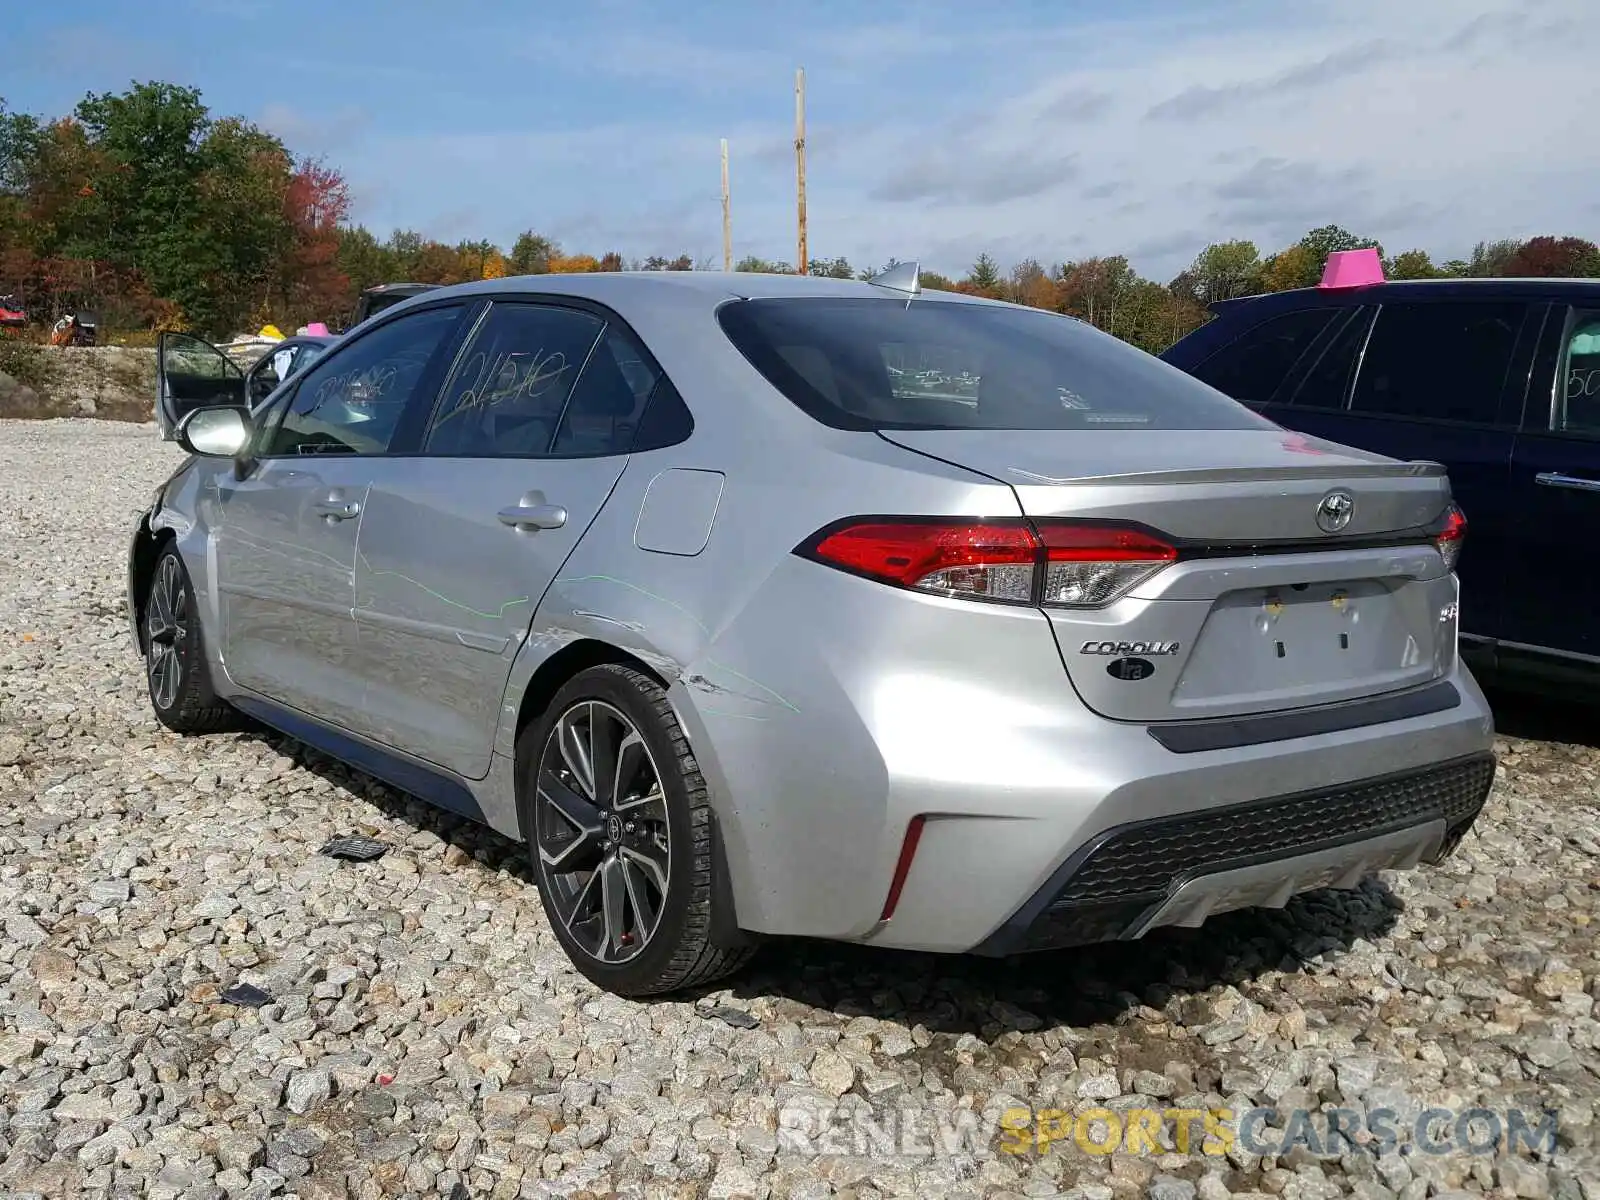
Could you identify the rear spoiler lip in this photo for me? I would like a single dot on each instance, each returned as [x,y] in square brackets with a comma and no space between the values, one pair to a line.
[1398,469]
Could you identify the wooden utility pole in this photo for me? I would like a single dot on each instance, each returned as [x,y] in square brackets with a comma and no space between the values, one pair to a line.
[800,162]
[727,214]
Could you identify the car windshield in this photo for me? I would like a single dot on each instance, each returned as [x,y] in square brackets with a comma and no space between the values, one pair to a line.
[874,363]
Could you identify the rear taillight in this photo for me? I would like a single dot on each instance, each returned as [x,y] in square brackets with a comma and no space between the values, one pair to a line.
[1449,539]
[1087,566]
[1061,564]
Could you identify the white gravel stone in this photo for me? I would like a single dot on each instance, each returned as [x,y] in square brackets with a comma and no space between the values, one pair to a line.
[833,1073]
[307,1089]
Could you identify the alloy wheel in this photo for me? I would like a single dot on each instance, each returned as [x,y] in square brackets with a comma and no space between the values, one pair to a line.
[602,832]
[166,632]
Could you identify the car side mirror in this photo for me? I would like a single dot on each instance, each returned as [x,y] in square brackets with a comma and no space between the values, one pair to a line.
[214,432]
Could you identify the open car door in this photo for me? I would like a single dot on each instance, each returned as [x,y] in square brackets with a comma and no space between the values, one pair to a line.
[191,373]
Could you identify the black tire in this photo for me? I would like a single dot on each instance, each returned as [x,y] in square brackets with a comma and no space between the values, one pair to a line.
[176,672]
[681,949]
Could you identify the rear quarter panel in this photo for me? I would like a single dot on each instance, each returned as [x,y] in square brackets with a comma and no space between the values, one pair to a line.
[744,649]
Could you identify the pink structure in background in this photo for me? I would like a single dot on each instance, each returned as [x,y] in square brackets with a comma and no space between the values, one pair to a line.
[317,329]
[1352,268]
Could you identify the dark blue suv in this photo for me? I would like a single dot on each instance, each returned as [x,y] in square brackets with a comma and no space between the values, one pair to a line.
[1498,379]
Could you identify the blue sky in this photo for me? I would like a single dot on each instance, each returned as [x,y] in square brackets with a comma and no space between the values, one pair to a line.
[936,130]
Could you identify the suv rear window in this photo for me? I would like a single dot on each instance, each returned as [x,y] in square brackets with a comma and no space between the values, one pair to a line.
[885,364]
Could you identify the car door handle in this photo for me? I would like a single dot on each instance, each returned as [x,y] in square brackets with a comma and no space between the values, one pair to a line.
[337,510]
[1556,480]
[533,516]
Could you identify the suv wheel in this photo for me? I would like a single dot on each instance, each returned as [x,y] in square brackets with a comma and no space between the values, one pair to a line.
[175,657]
[619,827]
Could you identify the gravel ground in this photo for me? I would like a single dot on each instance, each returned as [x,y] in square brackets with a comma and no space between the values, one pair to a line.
[426,1037]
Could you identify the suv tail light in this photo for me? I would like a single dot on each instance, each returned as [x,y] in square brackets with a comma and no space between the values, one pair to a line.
[1062,564]
[1449,539]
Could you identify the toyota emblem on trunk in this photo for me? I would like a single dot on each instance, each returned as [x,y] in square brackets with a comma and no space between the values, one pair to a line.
[1334,511]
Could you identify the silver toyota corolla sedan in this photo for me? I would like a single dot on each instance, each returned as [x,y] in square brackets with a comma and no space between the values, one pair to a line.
[790,606]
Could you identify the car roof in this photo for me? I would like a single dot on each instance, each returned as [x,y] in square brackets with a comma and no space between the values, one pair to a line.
[1577,290]
[710,288]
[414,288]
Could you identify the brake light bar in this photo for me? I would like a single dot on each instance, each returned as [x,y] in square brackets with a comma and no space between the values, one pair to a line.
[1064,564]
[1053,562]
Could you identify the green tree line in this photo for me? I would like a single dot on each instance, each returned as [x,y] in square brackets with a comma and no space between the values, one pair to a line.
[149,209]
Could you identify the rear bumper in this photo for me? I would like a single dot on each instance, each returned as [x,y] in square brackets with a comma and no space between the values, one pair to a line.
[822,748]
[1178,870]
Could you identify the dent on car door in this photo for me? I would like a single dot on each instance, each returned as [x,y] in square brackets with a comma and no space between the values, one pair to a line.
[286,542]
[191,373]
[1555,495]
[459,545]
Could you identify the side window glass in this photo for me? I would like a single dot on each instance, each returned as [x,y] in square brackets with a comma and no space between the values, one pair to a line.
[273,368]
[609,399]
[195,373]
[1443,361]
[1580,377]
[351,401]
[266,423]
[1327,383]
[1250,368]
[666,420]
[506,395]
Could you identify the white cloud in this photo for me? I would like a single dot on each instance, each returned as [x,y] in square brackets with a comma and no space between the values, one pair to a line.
[1430,123]
[1433,123]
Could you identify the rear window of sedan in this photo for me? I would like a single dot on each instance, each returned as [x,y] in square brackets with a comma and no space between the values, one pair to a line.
[874,363]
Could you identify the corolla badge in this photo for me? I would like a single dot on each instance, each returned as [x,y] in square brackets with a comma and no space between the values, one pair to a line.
[1120,649]
[1335,510]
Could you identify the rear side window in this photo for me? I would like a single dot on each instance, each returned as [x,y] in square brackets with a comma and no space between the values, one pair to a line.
[930,364]
[605,406]
[1327,382]
[1443,361]
[1251,368]
[666,420]
[510,386]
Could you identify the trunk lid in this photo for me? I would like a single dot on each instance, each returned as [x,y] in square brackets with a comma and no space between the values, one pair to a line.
[1265,610]
[1206,485]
